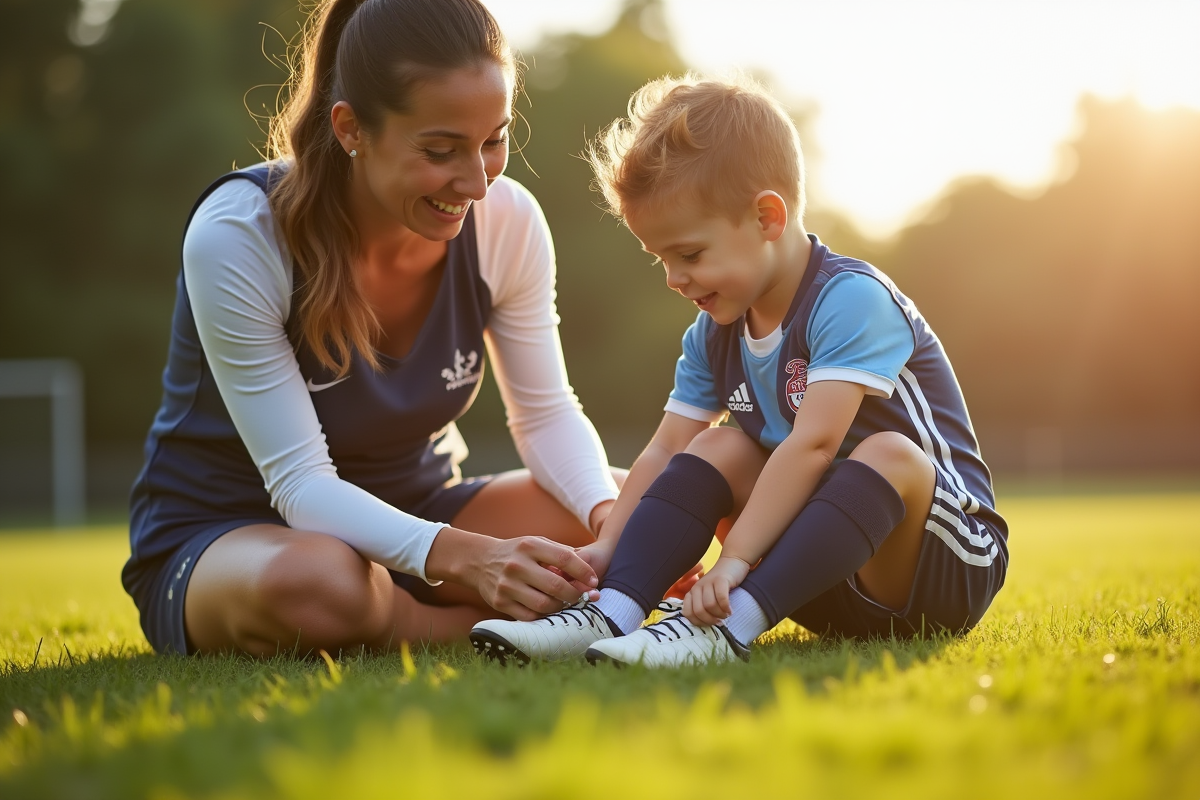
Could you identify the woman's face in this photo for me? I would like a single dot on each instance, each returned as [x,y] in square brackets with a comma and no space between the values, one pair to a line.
[425,167]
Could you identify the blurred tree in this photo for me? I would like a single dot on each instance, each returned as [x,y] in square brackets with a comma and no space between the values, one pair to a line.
[1074,308]
[103,148]
[1070,308]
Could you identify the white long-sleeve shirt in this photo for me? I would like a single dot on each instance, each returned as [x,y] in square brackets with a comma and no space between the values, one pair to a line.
[239,277]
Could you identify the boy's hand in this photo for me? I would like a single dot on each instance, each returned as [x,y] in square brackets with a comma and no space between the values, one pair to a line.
[684,585]
[708,601]
[598,555]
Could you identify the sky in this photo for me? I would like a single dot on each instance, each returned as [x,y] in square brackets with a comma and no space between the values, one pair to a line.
[910,95]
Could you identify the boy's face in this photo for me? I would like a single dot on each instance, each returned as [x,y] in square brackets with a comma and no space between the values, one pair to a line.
[718,265]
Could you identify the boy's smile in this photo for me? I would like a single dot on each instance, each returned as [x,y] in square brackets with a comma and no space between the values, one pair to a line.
[726,269]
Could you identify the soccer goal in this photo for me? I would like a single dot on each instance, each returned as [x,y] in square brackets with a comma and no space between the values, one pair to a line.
[61,382]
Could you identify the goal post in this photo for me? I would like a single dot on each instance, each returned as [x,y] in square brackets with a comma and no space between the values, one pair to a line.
[61,381]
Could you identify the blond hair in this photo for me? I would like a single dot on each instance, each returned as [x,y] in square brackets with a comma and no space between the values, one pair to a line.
[717,142]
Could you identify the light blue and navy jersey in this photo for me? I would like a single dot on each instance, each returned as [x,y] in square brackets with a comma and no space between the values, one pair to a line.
[849,322]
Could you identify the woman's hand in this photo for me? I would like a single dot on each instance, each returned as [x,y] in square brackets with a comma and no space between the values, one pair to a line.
[526,578]
[708,601]
[532,576]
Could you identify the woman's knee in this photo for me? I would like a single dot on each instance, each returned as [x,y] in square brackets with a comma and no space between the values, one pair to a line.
[316,591]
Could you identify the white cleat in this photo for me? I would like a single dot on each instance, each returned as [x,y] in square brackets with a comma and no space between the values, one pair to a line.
[563,636]
[670,642]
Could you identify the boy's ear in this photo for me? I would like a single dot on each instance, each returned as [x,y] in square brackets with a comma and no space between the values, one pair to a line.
[772,214]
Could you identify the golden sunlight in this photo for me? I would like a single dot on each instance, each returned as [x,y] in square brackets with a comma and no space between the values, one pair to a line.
[905,97]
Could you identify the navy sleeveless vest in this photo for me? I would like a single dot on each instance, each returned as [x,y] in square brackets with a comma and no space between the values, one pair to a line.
[390,432]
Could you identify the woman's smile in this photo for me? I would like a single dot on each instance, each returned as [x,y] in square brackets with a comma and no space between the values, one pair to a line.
[451,212]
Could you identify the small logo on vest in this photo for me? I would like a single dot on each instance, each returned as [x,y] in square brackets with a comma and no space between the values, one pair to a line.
[320,387]
[740,400]
[463,373]
[798,383]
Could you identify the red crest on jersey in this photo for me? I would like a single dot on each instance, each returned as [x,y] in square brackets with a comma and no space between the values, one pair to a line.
[798,369]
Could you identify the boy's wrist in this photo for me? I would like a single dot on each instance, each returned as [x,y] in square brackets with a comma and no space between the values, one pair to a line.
[735,557]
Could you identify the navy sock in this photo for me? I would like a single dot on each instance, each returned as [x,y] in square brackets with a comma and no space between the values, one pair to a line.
[837,532]
[670,530]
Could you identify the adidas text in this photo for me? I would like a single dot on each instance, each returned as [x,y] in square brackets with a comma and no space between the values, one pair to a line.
[740,399]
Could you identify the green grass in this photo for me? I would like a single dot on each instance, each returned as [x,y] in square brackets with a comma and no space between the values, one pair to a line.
[1083,681]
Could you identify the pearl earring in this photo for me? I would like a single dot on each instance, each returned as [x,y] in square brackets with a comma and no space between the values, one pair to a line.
[353,153]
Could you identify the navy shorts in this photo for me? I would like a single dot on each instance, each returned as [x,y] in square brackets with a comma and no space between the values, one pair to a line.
[159,593]
[962,566]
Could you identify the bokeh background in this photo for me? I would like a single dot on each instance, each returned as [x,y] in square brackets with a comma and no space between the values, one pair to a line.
[1028,173]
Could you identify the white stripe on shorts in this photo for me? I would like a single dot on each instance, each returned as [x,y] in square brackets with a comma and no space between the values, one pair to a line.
[974,559]
[984,541]
[926,427]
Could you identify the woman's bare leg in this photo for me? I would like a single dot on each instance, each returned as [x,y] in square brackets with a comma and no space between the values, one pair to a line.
[265,589]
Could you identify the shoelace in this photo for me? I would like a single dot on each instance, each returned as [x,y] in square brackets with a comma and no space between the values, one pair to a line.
[577,614]
[675,617]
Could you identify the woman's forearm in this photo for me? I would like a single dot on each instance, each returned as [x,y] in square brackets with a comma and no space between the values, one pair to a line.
[455,555]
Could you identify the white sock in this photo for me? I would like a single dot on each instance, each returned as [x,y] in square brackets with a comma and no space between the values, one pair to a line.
[621,609]
[747,622]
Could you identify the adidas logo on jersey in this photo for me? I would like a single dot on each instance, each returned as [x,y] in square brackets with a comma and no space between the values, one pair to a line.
[463,373]
[740,400]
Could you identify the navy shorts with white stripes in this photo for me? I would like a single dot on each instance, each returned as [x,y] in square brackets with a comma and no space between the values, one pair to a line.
[961,568]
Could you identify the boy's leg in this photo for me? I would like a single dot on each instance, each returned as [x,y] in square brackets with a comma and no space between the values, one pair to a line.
[674,524]
[665,536]
[681,587]
[887,577]
[867,520]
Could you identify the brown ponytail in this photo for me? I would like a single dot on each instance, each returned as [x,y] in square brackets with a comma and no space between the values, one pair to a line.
[369,53]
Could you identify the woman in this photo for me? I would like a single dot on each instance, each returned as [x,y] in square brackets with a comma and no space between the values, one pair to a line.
[301,487]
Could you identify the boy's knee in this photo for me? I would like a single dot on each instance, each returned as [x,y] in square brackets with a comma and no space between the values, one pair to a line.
[724,447]
[898,459]
[735,455]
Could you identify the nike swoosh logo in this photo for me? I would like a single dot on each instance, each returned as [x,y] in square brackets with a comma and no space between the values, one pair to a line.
[320,387]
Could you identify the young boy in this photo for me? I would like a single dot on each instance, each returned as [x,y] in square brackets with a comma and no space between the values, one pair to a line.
[859,500]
